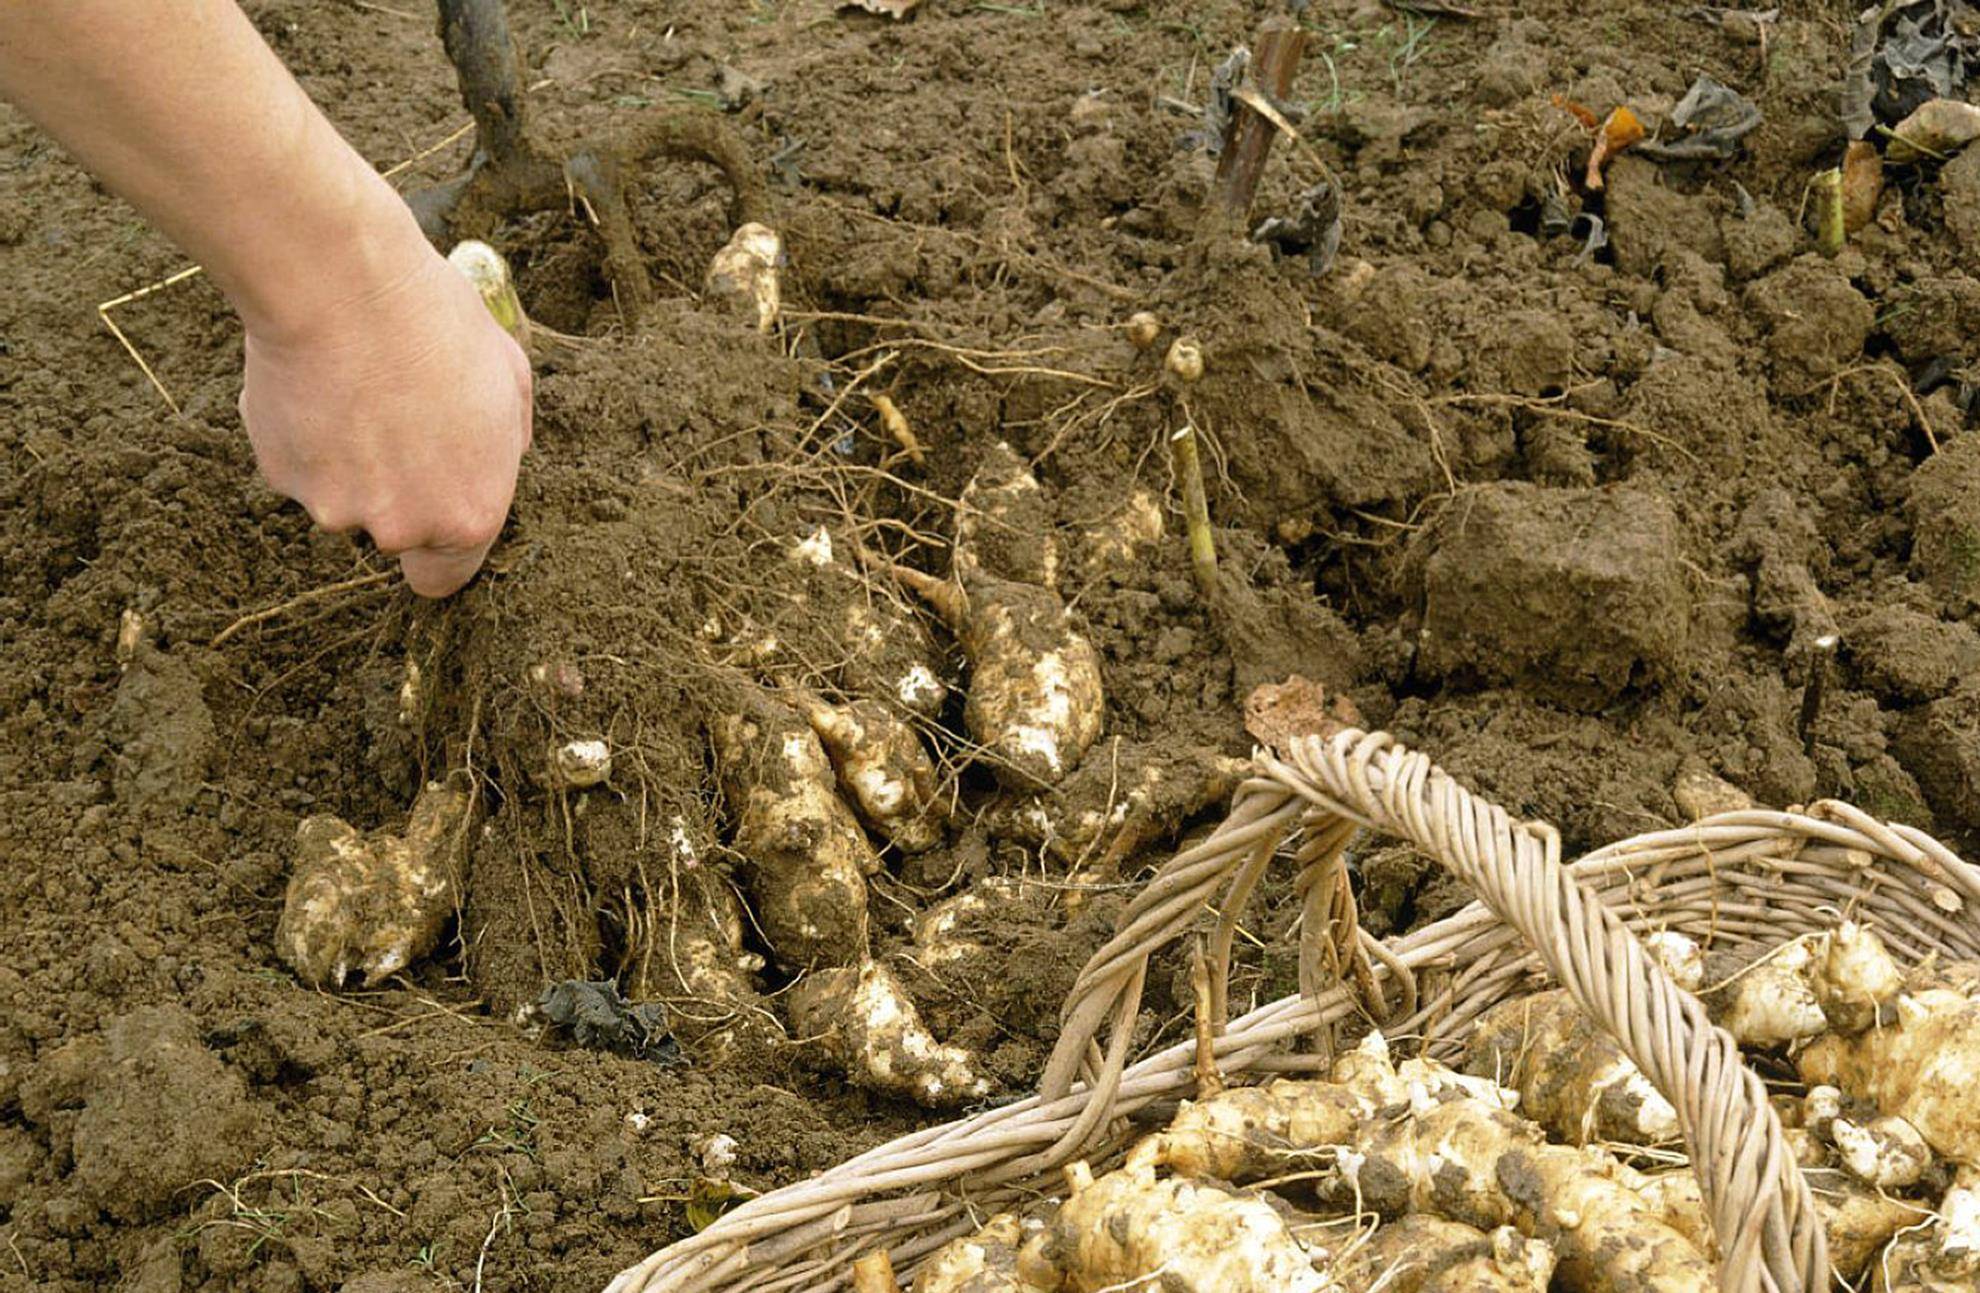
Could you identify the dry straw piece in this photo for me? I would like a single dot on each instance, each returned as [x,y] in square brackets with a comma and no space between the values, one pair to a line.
[1745,881]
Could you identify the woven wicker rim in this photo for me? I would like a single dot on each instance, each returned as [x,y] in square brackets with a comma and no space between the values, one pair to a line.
[1747,880]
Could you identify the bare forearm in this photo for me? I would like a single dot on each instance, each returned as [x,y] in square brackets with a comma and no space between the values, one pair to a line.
[180,108]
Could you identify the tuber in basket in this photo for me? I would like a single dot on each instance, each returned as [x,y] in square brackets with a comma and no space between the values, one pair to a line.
[1743,880]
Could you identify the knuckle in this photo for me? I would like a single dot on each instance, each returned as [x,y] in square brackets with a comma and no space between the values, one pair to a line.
[394,534]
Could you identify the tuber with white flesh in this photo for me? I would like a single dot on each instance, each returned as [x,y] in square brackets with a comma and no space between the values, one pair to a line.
[985,1262]
[1131,1229]
[1035,701]
[1771,1002]
[883,768]
[807,852]
[866,1020]
[374,904]
[745,274]
[1571,1075]
[1422,1254]
[1921,1065]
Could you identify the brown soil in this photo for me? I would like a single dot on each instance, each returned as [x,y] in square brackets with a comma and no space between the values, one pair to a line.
[1562,520]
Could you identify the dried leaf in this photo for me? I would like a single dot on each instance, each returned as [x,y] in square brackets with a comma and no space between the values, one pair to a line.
[1618,132]
[895,9]
[1575,110]
[1936,129]
[1277,712]
[1717,118]
[1862,183]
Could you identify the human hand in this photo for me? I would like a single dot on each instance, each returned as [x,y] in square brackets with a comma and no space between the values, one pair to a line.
[403,412]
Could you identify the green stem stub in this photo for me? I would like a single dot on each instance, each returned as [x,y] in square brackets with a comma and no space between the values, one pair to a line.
[1196,512]
[1830,230]
[484,267]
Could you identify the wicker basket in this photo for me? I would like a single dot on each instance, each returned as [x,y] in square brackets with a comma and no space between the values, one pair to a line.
[1743,880]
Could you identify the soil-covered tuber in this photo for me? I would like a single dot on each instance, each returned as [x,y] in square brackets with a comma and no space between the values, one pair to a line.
[866,1020]
[879,648]
[1572,1077]
[1035,701]
[745,274]
[985,1262]
[808,854]
[375,903]
[1922,1065]
[1772,1002]
[883,768]
[1130,1228]
[1423,1254]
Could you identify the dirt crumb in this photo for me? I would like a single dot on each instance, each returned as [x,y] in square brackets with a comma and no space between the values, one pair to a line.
[1577,594]
[1943,503]
[162,1113]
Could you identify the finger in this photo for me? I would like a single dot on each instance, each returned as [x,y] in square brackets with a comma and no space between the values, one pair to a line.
[436,572]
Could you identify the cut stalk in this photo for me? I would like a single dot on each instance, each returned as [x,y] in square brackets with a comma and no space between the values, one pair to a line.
[1248,140]
[1196,512]
[1830,228]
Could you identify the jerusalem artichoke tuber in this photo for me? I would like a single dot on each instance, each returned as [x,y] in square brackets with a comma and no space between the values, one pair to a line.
[867,1021]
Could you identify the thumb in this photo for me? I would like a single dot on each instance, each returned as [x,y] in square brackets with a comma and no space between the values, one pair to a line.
[436,572]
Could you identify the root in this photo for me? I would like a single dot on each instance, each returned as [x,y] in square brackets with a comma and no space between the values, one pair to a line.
[509,176]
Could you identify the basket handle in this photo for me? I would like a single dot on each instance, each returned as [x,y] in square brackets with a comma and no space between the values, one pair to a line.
[1770,1235]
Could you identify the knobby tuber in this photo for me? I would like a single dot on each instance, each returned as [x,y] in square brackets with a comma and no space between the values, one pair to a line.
[1772,1002]
[1035,702]
[1423,1254]
[1922,1065]
[1572,1077]
[1130,1227]
[866,1020]
[883,768]
[985,1262]
[808,854]
[375,903]
[745,274]
[1885,1153]
[1858,1220]
[882,649]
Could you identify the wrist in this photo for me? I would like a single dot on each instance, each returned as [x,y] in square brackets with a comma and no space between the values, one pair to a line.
[308,277]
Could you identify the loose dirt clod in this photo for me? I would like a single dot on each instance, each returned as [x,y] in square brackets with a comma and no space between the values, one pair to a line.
[374,904]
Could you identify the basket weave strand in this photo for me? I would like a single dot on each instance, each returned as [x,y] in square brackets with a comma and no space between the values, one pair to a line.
[1743,881]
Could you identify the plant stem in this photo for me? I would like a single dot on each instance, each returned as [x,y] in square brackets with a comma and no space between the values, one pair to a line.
[1196,512]
[1248,140]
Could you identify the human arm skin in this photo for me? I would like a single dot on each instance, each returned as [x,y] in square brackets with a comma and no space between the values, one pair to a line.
[377,391]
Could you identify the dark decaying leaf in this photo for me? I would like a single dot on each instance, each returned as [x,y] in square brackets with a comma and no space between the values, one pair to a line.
[598,1018]
[1313,230]
[1714,118]
[1904,54]
[1224,81]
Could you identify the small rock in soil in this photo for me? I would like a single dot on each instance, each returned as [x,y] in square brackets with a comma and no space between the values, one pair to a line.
[1943,504]
[1575,594]
[162,1113]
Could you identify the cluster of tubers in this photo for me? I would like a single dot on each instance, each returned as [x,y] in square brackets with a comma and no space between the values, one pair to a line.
[814,784]
[1535,1184]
